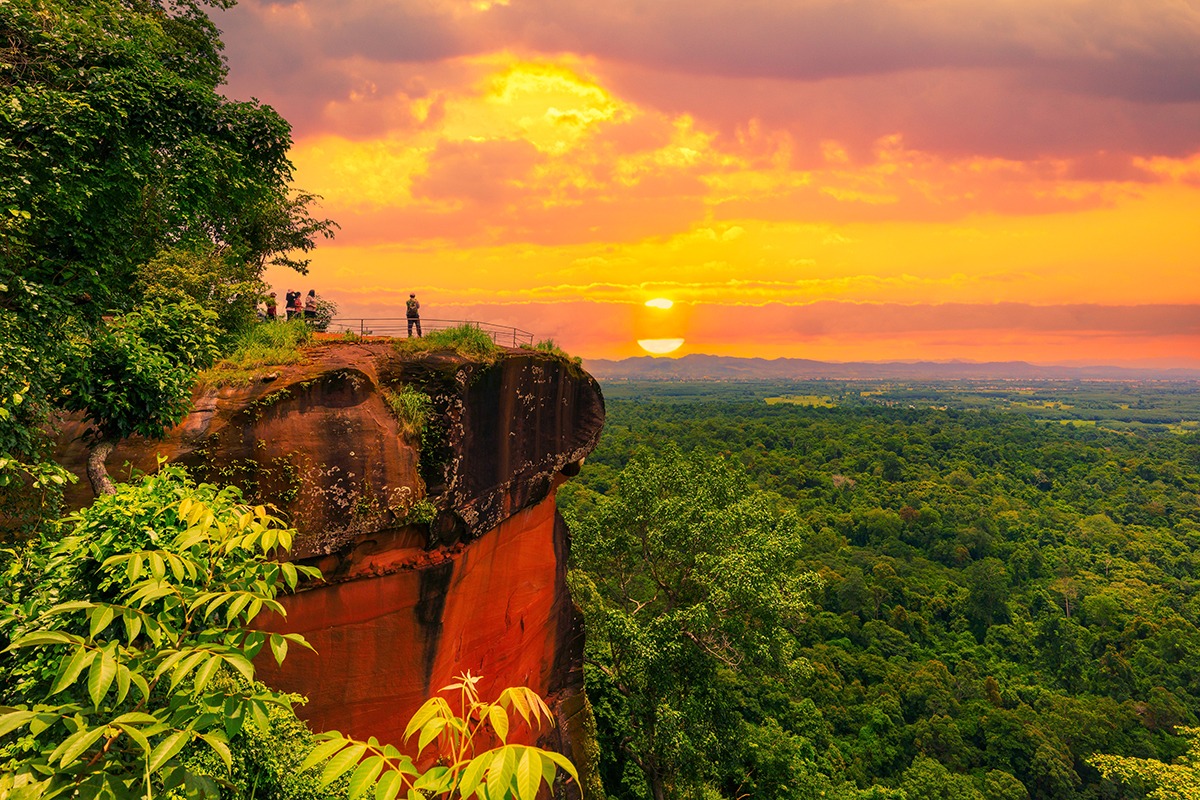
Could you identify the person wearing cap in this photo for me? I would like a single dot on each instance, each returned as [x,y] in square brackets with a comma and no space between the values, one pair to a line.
[414,315]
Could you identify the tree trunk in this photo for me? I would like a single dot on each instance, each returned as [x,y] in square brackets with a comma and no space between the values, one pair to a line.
[96,471]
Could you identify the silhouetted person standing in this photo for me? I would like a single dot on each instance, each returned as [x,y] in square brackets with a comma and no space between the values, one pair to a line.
[414,315]
[271,307]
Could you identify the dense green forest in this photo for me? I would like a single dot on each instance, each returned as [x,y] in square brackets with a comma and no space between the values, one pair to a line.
[999,599]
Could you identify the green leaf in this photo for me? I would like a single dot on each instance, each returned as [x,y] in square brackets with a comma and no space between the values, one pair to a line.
[389,786]
[562,761]
[100,677]
[431,731]
[241,664]
[101,617]
[529,773]
[122,682]
[322,752]
[498,717]
[364,777]
[75,745]
[40,638]
[187,665]
[205,673]
[474,773]
[435,780]
[14,719]
[341,762]
[500,773]
[219,746]
[133,625]
[168,748]
[279,647]
[71,668]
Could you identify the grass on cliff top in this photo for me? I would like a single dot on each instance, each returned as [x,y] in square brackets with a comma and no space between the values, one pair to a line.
[466,340]
[550,347]
[267,344]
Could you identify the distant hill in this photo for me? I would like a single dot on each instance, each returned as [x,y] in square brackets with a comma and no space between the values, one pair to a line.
[728,368]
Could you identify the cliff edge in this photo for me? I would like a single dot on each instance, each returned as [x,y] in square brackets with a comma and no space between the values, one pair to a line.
[442,551]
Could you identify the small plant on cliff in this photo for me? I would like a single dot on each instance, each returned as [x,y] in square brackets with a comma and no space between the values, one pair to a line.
[551,347]
[466,340]
[268,344]
[411,407]
[132,638]
[505,772]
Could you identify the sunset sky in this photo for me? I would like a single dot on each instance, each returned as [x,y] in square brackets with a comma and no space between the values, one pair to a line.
[830,179]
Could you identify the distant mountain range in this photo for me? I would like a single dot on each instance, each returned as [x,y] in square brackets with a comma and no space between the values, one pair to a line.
[728,368]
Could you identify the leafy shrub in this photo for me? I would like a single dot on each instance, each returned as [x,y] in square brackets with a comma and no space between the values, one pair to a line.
[131,638]
[508,771]
[269,344]
[412,408]
[466,340]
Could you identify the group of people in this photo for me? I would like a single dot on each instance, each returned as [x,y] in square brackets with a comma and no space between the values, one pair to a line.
[304,307]
[298,306]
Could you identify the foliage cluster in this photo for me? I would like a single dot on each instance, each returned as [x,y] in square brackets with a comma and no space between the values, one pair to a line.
[132,637]
[128,185]
[1002,599]
[412,409]
[686,581]
[505,771]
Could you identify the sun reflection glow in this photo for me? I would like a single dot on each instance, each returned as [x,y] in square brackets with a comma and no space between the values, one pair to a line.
[660,302]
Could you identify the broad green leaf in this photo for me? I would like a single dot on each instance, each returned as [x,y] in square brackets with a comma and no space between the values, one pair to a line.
[40,638]
[498,717]
[279,647]
[473,773]
[563,762]
[322,752]
[220,746]
[187,665]
[341,762]
[435,780]
[529,774]
[364,777]
[100,677]
[517,698]
[500,773]
[205,673]
[14,719]
[122,682]
[101,617]
[431,731]
[428,710]
[133,625]
[241,664]
[389,786]
[75,745]
[71,668]
[168,748]
[138,737]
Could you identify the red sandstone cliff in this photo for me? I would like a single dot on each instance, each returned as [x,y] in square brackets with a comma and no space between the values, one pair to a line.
[407,605]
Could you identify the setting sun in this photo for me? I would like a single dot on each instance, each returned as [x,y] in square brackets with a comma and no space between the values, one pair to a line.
[660,302]
[660,347]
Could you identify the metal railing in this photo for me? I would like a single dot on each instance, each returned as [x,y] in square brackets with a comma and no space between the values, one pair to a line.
[398,327]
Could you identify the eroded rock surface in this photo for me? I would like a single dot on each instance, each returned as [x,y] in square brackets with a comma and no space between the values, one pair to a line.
[440,556]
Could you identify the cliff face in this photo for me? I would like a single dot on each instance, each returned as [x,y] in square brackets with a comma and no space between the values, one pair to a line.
[441,555]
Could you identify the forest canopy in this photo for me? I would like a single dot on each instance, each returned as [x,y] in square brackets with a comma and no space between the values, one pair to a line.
[1001,602]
